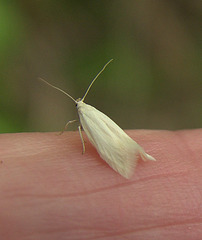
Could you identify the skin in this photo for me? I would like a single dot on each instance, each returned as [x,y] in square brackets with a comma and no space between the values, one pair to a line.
[49,190]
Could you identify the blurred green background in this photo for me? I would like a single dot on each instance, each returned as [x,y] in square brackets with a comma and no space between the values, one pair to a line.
[154,81]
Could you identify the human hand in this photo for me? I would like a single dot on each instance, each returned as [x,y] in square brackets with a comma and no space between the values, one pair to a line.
[49,190]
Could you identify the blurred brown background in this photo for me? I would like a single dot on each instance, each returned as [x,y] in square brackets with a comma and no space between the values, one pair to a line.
[154,81]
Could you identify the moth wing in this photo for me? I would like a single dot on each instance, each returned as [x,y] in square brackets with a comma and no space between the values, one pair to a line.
[112,143]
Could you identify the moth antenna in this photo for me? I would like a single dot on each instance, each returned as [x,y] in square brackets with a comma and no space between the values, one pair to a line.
[57,89]
[95,79]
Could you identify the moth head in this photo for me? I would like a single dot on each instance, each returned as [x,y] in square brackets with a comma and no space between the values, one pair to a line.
[80,104]
[78,100]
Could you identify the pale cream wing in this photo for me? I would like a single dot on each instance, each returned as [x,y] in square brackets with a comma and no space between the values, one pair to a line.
[112,143]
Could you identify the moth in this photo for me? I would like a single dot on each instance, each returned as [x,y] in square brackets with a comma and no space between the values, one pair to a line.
[114,146]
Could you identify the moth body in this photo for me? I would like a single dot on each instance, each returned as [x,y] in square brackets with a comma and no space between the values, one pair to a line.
[113,145]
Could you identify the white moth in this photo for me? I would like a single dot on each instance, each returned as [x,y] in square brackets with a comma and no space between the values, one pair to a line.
[113,145]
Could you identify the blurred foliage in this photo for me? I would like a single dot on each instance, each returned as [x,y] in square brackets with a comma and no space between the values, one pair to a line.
[154,81]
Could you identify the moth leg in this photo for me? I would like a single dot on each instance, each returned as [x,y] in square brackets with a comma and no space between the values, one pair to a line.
[83,144]
[66,125]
